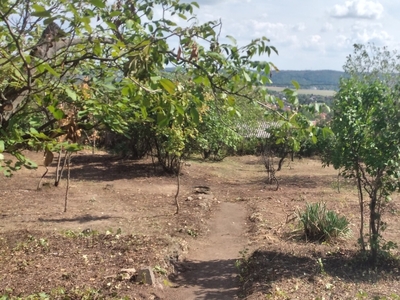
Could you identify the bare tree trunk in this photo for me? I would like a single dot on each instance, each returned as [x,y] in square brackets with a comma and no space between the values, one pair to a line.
[361,203]
[58,171]
[374,228]
[49,156]
[178,179]
[68,179]
[58,168]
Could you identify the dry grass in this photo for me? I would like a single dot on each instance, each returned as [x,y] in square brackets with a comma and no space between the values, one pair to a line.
[108,194]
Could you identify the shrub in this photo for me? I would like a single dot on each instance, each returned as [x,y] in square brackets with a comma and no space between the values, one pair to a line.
[321,224]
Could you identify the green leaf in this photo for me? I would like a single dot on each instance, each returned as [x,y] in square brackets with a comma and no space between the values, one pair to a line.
[41,14]
[232,39]
[168,85]
[58,114]
[296,84]
[246,76]
[231,100]
[217,56]
[30,164]
[51,70]
[33,131]
[267,69]
[2,146]
[110,86]
[98,3]
[1,156]
[38,8]
[115,13]
[195,115]
[182,16]
[149,13]
[129,24]
[125,91]
[198,79]
[111,25]
[162,119]
[180,110]
[296,145]
[71,94]
[280,103]
[144,111]
[314,139]
[97,48]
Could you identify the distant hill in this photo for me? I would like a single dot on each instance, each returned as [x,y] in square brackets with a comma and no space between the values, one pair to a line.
[321,79]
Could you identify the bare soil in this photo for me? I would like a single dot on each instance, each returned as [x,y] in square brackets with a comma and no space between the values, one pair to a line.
[234,239]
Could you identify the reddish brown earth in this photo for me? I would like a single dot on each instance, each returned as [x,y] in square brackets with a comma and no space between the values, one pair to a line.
[121,215]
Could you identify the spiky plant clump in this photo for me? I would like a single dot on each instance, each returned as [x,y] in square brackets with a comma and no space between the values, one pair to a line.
[321,224]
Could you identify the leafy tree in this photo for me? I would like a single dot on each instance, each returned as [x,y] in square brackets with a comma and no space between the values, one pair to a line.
[93,64]
[287,137]
[366,124]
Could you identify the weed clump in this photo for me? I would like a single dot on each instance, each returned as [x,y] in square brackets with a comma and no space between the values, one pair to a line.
[321,224]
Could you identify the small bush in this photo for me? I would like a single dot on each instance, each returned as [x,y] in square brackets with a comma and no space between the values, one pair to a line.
[321,224]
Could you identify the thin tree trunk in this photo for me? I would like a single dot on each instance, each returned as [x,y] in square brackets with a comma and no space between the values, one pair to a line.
[58,169]
[281,161]
[361,202]
[374,228]
[68,179]
[48,159]
[40,181]
[178,179]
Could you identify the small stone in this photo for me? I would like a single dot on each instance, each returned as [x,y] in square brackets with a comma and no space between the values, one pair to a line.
[130,271]
[189,198]
[146,276]
[126,274]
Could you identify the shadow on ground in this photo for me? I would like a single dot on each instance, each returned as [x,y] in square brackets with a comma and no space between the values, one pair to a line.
[109,168]
[215,279]
[266,267]
[80,219]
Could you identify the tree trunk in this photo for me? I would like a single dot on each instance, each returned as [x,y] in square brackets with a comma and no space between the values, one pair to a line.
[374,228]
[178,179]
[361,203]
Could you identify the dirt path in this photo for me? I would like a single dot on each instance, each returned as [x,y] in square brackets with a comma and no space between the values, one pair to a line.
[209,271]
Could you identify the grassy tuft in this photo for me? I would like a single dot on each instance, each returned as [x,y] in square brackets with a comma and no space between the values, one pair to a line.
[321,224]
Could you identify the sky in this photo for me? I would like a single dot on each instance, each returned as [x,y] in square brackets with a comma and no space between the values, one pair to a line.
[308,34]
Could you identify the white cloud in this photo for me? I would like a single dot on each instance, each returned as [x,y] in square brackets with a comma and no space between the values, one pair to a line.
[358,9]
[299,27]
[365,33]
[327,27]
[342,42]
[318,40]
[362,33]
[271,30]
